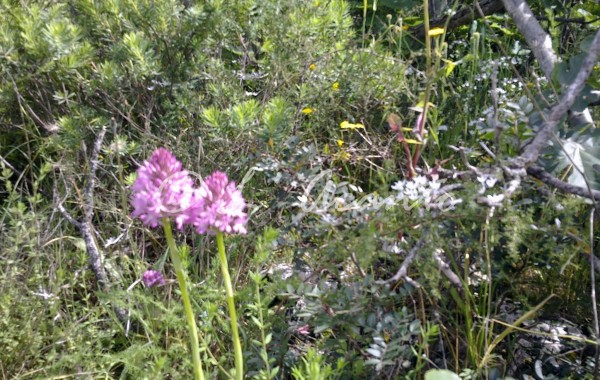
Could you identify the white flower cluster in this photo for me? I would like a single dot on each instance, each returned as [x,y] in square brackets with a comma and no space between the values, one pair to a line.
[423,192]
[332,199]
[418,189]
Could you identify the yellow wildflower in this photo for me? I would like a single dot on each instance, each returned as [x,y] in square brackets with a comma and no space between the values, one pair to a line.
[340,143]
[343,156]
[312,67]
[347,125]
[307,111]
[404,27]
[335,86]
[436,32]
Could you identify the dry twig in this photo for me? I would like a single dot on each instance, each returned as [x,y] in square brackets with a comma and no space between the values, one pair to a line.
[86,228]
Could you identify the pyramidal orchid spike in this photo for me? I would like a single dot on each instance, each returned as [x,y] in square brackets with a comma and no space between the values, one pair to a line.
[223,206]
[163,189]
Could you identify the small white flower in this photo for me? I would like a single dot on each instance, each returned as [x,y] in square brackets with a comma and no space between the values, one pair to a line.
[420,180]
[412,194]
[490,182]
[398,186]
[426,194]
[330,219]
[495,199]
[411,185]
[389,202]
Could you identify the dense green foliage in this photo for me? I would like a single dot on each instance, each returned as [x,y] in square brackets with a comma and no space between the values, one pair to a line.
[260,89]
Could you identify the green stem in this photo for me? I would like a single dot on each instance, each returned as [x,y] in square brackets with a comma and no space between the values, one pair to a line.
[187,306]
[427,37]
[263,338]
[237,347]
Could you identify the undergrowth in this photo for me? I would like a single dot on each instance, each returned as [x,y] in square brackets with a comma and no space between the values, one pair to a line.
[293,99]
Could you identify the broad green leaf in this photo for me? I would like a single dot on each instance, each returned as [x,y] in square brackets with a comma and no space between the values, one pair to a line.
[396,4]
[374,352]
[441,374]
[449,67]
[580,157]
[321,328]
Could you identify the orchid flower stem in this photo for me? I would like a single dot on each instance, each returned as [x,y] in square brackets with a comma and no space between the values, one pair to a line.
[187,306]
[237,347]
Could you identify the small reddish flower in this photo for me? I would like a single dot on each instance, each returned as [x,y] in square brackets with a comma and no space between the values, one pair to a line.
[153,278]
[303,330]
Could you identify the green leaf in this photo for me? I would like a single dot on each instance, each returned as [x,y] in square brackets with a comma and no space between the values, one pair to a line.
[566,71]
[580,155]
[441,374]
[256,321]
[449,67]
[374,352]
[321,328]
[396,4]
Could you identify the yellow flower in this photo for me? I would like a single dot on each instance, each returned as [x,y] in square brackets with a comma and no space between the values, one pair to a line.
[307,111]
[404,27]
[436,32]
[335,86]
[312,67]
[347,125]
[340,143]
[343,156]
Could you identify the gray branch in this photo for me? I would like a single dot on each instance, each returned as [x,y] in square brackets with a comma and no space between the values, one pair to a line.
[541,45]
[85,226]
[539,173]
[551,120]
[446,270]
[537,39]
[463,16]
[88,212]
[402,273]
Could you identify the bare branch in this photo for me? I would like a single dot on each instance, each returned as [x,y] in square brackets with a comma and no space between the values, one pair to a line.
[537,39]
[465,160]
[532,151]
[88,193]
[463,16]
[85,226]
[539,173]
[593,296]
[446,270]
[64,211]
[402,273]
[88,210]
